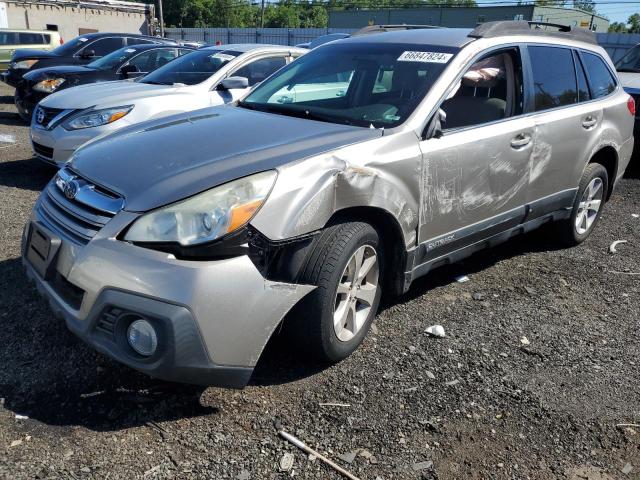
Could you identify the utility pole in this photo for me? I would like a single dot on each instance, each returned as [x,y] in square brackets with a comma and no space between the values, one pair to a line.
[161,18]
[262,15]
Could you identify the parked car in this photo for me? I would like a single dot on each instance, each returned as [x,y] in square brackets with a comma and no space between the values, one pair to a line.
[628,68]
[10,40]
[126,63]
[330,37]
[205,77]
[177,246]
[79,51]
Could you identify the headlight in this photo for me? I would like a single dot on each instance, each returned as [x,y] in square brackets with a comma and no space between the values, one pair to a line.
[206,216]
[49,85]
[96,118]
[24,64]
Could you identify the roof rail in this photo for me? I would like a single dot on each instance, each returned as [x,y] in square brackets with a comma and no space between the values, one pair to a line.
[521,27]
[390,28]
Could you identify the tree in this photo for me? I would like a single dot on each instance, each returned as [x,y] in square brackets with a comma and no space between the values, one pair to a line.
[634,23]
[586,5]
[618,27]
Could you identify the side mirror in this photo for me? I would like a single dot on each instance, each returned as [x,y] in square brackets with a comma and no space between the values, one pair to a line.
[87,53]
[233,83]
[435,127]
[129,69]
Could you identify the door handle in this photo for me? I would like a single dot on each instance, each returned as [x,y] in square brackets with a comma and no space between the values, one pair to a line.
[589,121]
[521,140]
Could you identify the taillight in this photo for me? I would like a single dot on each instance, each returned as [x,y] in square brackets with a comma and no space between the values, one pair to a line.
[631,105]
[61,41]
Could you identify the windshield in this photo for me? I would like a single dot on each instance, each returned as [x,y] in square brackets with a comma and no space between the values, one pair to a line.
[114,59]
[630,62]
[190,69]
[71,46]
[364,84]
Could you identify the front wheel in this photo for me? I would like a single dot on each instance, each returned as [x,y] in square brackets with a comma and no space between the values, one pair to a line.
[346,265]
[587,207]
[23,113]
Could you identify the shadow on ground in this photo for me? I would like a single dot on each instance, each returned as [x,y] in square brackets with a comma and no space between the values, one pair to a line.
[10,118]
[51,376]
[31,174]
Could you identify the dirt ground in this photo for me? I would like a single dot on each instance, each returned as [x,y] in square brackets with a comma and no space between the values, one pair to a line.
[476,404]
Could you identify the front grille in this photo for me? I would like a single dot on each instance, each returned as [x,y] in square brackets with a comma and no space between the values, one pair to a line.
[41,150]
[78,218]
[49,114]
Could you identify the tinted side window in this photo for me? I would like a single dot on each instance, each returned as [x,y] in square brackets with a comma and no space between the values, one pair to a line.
[554,77]
[583,87]
[105,46]
[260,69]
[31,38]
[600,77]
[138,41]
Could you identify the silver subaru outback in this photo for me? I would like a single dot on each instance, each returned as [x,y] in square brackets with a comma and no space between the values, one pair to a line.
[178,246]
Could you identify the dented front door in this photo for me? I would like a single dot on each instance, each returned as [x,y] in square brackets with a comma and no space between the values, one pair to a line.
[474,179]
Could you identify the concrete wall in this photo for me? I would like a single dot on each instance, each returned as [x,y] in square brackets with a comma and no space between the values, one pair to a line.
[576,18]
[70,18]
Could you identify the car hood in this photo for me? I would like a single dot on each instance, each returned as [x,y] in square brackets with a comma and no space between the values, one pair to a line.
[630,79]
[25,53]
[61,71]
[162,161]
[108,94]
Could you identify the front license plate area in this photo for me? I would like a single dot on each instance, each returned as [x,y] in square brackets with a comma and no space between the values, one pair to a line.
[42,248]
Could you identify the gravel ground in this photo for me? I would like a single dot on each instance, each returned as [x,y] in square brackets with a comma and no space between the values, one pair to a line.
[476,404]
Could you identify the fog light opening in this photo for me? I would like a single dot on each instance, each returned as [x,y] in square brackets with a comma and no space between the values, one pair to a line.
[142,337]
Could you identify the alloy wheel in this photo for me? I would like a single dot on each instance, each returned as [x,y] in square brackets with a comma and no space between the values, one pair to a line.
[589,206]
[356,293]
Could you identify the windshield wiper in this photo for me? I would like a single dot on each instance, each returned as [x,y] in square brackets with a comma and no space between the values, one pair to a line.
[152,82]
[306,113]
[628,70]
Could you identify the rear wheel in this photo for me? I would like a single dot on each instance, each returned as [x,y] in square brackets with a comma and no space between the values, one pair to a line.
[346,265]
[587,207]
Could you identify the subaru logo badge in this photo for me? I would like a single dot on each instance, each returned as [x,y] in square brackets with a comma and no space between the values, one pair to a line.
[39,115]
[71,189]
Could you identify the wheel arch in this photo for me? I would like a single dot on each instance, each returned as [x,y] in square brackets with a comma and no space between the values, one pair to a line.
[607,156]
[391,235]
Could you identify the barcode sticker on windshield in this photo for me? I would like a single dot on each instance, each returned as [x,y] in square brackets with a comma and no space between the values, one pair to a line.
[425,57]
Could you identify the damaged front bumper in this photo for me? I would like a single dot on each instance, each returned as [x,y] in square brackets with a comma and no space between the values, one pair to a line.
[212,318]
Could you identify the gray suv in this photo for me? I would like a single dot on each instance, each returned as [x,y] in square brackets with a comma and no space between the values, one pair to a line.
[179,245]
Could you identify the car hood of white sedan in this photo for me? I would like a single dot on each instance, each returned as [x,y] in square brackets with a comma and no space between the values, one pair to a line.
[109,94]
[629,79]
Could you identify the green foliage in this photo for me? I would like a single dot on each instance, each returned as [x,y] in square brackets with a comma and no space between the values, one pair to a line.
[632,25]
[586,5]
[284,14]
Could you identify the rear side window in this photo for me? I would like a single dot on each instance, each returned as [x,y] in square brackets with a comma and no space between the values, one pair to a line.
[601,79]
[138,41]
[23,38]
[554,77]
[31,39]
[260,69]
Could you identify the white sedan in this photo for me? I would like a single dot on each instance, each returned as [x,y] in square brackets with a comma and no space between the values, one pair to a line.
[210,76]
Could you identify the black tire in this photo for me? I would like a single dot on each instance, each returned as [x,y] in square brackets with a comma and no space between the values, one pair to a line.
[566,230]
[22,113]
[311,326]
